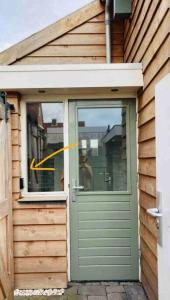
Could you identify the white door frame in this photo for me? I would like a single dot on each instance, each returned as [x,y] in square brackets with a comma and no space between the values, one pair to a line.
[162,102]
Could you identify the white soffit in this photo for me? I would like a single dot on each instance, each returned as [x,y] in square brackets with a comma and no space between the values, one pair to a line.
[33,77]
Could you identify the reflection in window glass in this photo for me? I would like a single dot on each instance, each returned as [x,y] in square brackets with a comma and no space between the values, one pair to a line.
[102,149]
[45,136]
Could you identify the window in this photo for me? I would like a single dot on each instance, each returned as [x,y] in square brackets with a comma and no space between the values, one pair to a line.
[102,150]
[44,137]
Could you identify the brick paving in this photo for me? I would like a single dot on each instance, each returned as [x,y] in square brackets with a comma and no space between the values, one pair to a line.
[97,291]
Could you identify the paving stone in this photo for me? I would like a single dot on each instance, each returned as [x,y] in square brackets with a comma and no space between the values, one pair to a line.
[115,289]
[74,283]
[73,297]
[117,296]
[97,297]
[71,290]
[135,293]
[92,290]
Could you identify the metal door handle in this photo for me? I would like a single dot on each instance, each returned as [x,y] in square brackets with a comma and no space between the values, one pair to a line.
[78,187]
[154,212]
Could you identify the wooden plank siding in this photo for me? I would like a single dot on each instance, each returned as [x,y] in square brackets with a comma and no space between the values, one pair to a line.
[147,40]
[6,222]
[84,44]
[39,229]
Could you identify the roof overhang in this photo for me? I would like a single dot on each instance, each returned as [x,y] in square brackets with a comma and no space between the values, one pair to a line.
[79,76]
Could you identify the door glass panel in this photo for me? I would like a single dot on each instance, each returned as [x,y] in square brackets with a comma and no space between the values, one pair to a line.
[102,149]
[44,137]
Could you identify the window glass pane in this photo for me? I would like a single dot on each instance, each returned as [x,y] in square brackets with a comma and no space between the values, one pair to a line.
[45,136]
[102,149]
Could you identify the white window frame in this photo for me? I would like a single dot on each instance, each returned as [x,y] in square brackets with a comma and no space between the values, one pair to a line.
[24,171]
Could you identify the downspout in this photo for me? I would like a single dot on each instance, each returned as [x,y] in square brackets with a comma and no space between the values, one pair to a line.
[108,32]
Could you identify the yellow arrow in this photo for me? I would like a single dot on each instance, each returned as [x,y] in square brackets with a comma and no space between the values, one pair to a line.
[34,166]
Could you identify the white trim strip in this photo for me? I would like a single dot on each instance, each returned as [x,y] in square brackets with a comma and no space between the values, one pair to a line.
[72,76]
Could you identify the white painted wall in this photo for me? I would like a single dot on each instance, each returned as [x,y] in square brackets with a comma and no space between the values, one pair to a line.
[163,184]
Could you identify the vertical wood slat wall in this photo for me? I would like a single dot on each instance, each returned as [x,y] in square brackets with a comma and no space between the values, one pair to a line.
[40,259]
[147,40]
[84,44]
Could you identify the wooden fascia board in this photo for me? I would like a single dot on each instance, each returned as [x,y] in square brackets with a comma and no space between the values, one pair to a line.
[51,33]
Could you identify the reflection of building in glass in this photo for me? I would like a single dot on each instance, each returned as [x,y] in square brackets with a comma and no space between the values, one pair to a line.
[43,139]
[105,150]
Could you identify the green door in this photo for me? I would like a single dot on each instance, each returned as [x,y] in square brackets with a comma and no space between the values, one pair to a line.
[103,200]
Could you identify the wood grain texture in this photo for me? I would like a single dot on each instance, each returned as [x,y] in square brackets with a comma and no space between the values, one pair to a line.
[39,216]
[146,201]
[151,259]
[26,205]
[84,44]
[138,28]
[158,62]
[6,226]
[147,149]
[86,39]
[67,60]
[157,41]
[129,33]
[147,166]
[51,32]
[97,28]
[69,51]
[40,265]
[40,233]
[147,41]
[148,289]
[148,185]
[147,113]
[41,280]
[149,93]
[146,131]
[40,249]
[148,222]
[149,239]
[152,279]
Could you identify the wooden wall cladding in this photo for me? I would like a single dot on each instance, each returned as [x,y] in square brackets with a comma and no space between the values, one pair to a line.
[6,224]
[84,44]
[147,40]
[40,237]
[40,246]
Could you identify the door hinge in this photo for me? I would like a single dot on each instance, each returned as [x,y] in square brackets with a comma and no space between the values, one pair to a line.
[5,106]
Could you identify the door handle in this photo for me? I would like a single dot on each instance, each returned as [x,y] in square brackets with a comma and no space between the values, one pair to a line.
[78,187]
[154,212]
